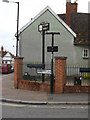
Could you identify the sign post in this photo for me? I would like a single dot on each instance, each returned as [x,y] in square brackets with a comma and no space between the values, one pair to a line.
[52,49]
[42,28]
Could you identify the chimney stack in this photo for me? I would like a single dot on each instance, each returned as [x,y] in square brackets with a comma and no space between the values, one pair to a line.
[70,8]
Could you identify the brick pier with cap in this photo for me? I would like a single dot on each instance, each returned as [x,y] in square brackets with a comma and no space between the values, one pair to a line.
[60,74]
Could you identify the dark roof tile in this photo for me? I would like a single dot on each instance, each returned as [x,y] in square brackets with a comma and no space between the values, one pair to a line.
[80,25]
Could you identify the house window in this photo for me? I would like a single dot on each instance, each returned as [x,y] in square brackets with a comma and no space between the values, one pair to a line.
[85,53]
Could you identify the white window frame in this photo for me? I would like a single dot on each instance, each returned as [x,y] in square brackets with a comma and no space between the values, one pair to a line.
[85,55]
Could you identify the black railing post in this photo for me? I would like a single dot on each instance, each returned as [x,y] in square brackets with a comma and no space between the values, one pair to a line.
[52,50]
[43,52]
[52,64]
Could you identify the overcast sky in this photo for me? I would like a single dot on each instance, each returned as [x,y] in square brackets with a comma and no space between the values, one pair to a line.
[28,10]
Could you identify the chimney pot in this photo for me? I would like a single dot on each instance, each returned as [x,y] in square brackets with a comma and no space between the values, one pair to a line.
[2,48]
[68,1]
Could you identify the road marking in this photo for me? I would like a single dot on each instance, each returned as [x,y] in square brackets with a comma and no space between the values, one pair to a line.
[12,104]
[60,106]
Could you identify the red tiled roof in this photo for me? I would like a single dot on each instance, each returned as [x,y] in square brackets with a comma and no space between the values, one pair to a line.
[3,53]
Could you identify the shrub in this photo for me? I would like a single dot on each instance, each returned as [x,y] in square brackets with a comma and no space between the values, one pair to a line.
[87,76]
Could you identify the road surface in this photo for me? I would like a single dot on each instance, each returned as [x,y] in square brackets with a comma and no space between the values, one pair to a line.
[43,111]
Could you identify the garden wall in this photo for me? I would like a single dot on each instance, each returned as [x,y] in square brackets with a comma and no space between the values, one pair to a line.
[60,79]
[34,86]
[76,89]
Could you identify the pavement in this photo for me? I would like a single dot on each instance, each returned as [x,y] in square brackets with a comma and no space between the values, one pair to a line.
[12,95]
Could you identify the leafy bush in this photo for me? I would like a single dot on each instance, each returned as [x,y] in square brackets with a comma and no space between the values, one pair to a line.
[87,76]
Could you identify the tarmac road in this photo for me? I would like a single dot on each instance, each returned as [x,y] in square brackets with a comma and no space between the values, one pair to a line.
[44,111]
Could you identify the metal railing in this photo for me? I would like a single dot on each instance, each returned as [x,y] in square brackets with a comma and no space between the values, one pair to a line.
[71,71]
[74,70]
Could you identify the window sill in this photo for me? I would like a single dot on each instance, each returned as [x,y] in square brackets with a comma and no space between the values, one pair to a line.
[85,57]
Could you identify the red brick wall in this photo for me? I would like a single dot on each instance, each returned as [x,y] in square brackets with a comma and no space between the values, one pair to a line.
[60,74]
[60,79]
[76,89]
[34,86]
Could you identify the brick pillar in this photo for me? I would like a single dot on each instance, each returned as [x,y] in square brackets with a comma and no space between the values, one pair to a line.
[60,74]
[18,69]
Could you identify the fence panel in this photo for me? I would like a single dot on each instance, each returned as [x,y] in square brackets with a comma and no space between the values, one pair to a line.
[74,70]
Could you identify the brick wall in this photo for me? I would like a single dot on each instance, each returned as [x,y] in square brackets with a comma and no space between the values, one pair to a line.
[34,86]
[76,89]
[60,79]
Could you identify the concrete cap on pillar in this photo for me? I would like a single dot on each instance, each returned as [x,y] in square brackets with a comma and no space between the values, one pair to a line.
[61,57]
[18,57]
